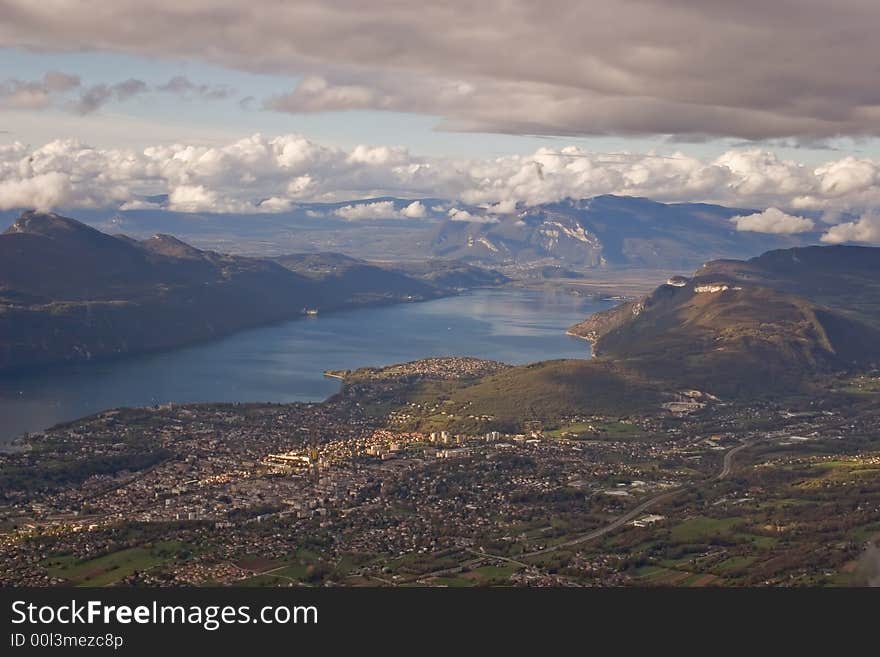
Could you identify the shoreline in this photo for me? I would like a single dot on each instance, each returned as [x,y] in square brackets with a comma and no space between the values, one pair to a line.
[32,418]
[60,366]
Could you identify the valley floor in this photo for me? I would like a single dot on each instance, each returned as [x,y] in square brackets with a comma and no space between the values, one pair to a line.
[629,283]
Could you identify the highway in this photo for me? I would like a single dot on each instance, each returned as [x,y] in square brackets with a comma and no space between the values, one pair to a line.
[727,464]
[614,524]
[632,514]
[726,469]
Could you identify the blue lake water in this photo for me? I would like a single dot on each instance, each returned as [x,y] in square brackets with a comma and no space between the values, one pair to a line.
[285,362]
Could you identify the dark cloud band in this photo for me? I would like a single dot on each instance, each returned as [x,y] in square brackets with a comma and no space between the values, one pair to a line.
[751,69]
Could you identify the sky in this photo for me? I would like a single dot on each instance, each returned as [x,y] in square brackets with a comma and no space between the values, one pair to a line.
[254,107]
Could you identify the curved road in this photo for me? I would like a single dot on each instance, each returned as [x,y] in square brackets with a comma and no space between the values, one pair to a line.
[727,464]
[614,524]
[726,469]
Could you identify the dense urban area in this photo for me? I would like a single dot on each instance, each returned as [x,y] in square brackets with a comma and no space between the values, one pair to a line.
[381,485]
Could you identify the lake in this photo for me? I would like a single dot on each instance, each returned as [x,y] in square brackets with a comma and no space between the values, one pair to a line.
[285,362]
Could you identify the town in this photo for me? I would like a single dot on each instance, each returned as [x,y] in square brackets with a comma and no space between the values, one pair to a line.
[338,493]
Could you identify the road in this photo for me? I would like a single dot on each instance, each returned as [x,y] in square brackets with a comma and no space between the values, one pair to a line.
[620,521]
[614,524]
[726,469]
[496,556]
[727,463]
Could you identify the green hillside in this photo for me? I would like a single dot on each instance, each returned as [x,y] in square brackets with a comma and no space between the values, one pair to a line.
[740,327]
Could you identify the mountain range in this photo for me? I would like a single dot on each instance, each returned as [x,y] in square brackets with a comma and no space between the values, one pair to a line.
[71,293]
[609,231]
[604,231]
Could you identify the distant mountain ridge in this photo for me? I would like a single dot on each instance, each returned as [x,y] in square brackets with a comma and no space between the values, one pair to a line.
[336,270]
[52,258]
[603,231]
[609,231]
[71,293]
[764,322]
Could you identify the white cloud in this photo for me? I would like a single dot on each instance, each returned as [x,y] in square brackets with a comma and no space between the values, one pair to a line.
[300,185]
[378,155]
[275,204]
[415,210]
[269,174]
[191,198]
[866,230]
[42,191]
[381,210]
[502,207]
[198,198]
[139,204]
[361,211]
[847,176]
[773,220]
[315,94]
[458,214]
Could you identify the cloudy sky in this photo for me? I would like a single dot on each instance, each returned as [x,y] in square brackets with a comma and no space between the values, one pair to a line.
[253,107]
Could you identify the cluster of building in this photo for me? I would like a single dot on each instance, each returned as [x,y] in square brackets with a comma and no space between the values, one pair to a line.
[236,480]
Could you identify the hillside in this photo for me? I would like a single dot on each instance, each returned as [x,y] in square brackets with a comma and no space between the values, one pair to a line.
[339,274]
[550,390]
[738,326]
[453,274]
[70,293]
[340,280]
[844,277]
[774,326]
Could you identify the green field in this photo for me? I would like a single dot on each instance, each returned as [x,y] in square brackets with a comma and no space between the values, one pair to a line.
[110,568]
[700,528]
[572,430]
[483,576]
[304,568]
[734,563]
[593,430]
[452,582]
